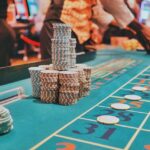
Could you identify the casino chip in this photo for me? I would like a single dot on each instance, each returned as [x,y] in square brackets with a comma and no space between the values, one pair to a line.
[35,80]
[63,47]
[120,106]
[133,97]
[6,122]
[139,88]
[46,67]
[106,119]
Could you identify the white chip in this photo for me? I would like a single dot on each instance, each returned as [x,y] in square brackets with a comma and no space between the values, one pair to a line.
[139,88]
[81,65]
[120,106]
[106,119]
[35,69]
[133,97]
[50,71]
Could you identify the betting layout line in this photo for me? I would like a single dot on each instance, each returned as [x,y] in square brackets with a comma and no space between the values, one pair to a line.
[146,130]
[10,101]
[103,63]
[146,74]
[103,75]
[144,121]
[125,89]
[139,112]
[106,75]
[122,65]
[88,142]
[142,100]
[137,132]
[119,125]
[109,72]
[144,79]
[137,83]
[65,126]
[100,75]
[135,90]
[130,63]
[98,70]
[109,65]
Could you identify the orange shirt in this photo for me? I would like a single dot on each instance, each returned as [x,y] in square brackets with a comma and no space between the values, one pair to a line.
[77,13]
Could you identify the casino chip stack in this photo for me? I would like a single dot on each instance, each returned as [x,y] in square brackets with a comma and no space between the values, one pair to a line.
[62,82]
[35,79]
[61,31]
[87,71]
[49,86]
[72,52]
[60,54]
[6,122]
[69,87]
[61,46]
[87,84]
[82,81]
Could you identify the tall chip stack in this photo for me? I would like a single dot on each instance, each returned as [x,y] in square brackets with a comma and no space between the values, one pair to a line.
[82,81]
[49,86]
[60,54]
[64,81]
[87,71]
[61,46]
[35,80]
[72,52]
[87,76]
[69,87]
[61,31]
[6,121]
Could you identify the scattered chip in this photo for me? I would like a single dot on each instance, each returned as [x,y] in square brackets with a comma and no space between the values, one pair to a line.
[6,121]
[120,106]
[106,119]
[133,97]
[139,88]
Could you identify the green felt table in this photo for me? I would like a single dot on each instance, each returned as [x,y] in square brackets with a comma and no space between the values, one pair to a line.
[55,127]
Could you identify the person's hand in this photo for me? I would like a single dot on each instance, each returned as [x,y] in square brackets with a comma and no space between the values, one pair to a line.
[146,32]
[96,36]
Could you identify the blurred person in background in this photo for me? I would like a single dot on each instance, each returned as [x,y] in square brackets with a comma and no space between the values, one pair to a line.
[134,7]
[117,12]
[80,14]
[43,6]
[114,30]
[76,13]
[7,36]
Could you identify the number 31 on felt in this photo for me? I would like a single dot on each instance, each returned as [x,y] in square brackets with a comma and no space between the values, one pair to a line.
[92,129]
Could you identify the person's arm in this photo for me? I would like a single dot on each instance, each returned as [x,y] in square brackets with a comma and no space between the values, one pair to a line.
[119,10]
[126,19]
[100,17]
[142,34]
